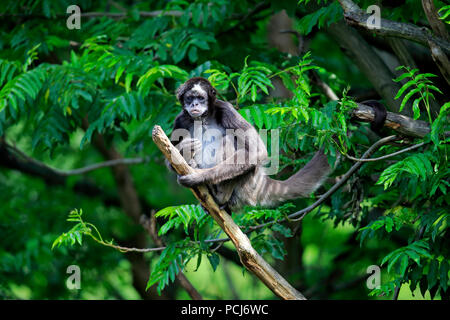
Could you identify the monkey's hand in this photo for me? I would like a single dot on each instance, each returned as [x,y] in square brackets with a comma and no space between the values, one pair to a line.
[191,180]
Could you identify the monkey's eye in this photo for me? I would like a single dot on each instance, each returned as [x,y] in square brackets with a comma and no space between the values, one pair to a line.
[201,99]
[189,99]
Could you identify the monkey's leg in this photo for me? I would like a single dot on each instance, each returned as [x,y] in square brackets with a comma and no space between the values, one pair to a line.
[232,167]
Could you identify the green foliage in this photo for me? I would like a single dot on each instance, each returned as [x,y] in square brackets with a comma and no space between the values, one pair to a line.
[445,13]
[252,78]
[323,17]
[186,215]
[419,84]
[75,234]
[258,116]
[69,98]
[167,267]
[439,126]
[409,262]
[418,165]
[20,89]
[198,225]
[422,180]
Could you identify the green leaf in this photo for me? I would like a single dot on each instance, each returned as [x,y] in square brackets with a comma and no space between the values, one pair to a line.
[393,261]
[214,260]
[253,93]
[414,256]
[119,72]
[404,87]
[408,95]
[416,108]
[432,275]
[443,274]
[403,265]
[128,80]
[389,223]
[192,54]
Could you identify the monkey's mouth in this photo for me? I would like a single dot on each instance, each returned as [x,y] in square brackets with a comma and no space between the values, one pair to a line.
[196,112]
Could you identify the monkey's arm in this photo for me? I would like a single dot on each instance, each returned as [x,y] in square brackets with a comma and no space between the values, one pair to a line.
[226,170]
[188,148]
[248,153]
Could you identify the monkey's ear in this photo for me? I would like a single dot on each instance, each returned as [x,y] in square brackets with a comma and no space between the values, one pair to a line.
[212,94]
[181,91]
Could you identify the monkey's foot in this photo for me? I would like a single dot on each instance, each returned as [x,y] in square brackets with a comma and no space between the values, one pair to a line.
[190,180]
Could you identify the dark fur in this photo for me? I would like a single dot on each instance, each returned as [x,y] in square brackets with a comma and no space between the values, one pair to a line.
[237,184]
[187,86]
[380,115]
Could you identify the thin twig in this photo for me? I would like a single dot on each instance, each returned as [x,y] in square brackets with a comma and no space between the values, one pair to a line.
[83,170]
[388,155]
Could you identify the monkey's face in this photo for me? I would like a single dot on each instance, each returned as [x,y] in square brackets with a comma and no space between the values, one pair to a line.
[195,102]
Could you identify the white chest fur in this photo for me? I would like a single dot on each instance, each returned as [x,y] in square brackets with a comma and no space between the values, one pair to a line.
[211,136]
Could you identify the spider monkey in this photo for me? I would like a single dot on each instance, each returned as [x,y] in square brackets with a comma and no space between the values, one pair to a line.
[228,154]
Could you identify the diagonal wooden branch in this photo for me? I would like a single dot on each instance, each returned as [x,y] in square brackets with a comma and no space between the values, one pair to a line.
[247,254]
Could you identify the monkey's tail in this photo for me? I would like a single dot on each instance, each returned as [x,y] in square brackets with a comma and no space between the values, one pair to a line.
[299,185]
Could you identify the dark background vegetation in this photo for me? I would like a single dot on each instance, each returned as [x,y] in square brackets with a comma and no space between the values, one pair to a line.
[73,98]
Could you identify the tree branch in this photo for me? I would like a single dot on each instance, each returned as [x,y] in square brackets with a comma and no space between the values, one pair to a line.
[438,26]
[248,255]
[416,146]
[144,14]
[369,62]
[401,51]
[83,170]
[441,60]
[355,16]
[400,123]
